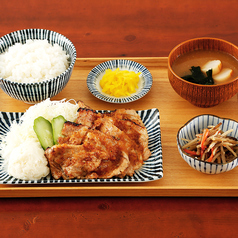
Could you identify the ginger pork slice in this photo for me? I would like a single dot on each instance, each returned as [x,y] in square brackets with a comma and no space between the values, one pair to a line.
[130,114]
[73,133]
[72,161]
[87,116]
[129,121]
[107,126]
[117,154]
[136,133]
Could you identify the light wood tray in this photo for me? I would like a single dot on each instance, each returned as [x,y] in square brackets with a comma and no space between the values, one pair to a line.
[179,178]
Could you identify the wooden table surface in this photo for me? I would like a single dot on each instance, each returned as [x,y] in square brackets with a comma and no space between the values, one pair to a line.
[143,29]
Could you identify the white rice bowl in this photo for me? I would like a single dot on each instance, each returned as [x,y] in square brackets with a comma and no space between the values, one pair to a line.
[21,150]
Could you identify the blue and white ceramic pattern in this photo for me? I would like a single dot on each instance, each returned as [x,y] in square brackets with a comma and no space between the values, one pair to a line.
[195,126]
[97,73]
[36,92]
[151,170]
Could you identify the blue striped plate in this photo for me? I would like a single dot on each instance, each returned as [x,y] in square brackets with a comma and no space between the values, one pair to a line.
[97,73]
[151,170]
[195,126]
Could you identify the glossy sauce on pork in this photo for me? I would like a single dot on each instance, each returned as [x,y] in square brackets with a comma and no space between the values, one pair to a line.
[100,145]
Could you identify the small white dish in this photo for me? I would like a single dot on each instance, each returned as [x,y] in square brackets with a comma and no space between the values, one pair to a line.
[97,73]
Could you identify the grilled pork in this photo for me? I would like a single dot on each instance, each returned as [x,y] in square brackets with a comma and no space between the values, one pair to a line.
[100,145]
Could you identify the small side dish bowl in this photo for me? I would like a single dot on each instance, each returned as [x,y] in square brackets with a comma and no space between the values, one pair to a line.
[197,94]
[38,91]
[195,126]
[97,73]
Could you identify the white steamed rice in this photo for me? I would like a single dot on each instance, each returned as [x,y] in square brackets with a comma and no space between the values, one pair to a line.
[34,61]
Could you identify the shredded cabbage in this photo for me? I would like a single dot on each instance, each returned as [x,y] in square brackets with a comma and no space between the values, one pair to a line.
[27,161]
[19,133]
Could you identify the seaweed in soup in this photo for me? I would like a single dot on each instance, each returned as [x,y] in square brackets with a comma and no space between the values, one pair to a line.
[198,76]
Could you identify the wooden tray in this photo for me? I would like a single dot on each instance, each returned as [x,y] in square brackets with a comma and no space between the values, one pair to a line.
[179,178]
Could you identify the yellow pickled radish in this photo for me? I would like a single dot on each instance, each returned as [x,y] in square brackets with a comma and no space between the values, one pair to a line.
[119,83]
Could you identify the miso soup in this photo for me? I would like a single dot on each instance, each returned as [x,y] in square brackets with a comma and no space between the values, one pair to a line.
[183,64]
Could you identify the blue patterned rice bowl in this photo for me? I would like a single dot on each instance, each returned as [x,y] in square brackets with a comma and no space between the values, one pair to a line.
[36,92]
[195,126]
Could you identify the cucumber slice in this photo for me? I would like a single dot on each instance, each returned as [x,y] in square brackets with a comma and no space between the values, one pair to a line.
[57,126]
[44,132]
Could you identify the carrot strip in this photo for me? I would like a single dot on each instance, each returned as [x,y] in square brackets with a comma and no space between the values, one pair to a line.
[205,135]
[211,156]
